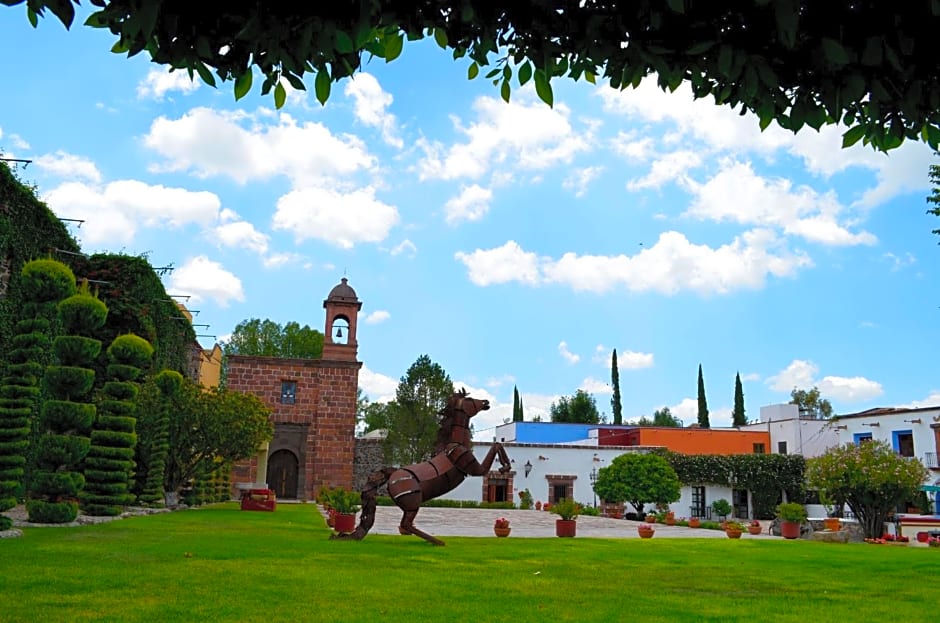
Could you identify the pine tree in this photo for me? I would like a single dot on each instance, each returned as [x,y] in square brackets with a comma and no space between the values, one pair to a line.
[521,410]
[702,403]
[516,405]
[615,405]
[737,417]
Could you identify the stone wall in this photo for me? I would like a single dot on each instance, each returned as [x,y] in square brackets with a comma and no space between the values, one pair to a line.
[323,413]
[369,457]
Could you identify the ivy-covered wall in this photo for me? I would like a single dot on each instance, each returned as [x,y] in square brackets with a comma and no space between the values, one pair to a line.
[764,475]
[28,230]
[139,304]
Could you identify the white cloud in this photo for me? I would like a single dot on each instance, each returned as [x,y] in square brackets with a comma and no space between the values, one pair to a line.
[69,165]
[378,387]
[736,193]
[899,262]
[687,411]
[206,280]
[159,82]
[495,383]
[752,376]
[594,386]
[633,149]
[327,214]
[673,264]
[114,212]
[216,143]
[379,315]
[578,180]
[371,104]
[524,135]
[569,356]
[471,204]
[277,260]
[405,246]
[626,359]
[501,265]
[932,400]
[801,374]
[241,234]
[668,168]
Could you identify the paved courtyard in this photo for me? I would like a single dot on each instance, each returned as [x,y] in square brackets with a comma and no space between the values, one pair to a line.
[442,522]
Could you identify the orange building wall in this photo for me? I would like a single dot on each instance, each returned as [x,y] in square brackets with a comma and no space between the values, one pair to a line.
[688,440]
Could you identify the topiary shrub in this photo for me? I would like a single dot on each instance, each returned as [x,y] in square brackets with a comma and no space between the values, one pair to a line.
[106,489]
[67,417]
[153,436]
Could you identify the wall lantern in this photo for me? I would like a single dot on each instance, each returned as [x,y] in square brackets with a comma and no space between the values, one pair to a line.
[528,468]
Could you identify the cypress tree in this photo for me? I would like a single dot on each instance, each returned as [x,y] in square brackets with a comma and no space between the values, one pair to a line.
[110,460]
[737,417]
[516,405]
[66,418]
[521,410]
[702,403]
[615,405]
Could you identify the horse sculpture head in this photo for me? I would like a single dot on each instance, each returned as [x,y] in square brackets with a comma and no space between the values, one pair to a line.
[461,401]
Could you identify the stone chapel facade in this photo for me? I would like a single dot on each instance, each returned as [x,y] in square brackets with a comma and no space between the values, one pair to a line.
[314,407]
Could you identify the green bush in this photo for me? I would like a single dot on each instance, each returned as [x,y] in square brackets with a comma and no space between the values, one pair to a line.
[75,349]
[68,382]
[65,415]
[120,424]
[131,350]
[46,281]
[791,511]
[82,313]
[121,390]
[5,523]
[41,511]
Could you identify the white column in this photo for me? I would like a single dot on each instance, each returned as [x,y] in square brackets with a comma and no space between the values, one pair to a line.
[262,474]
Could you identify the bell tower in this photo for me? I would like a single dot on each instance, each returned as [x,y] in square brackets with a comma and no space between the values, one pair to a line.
[342,310]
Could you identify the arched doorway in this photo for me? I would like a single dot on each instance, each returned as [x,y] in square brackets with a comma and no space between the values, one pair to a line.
[282,474]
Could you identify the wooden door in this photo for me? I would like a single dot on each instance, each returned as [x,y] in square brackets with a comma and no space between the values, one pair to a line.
[282,474]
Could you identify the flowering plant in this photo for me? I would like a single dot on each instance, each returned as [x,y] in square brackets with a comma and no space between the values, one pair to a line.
[754,523]
[734,525]
[933,542]
[502,522]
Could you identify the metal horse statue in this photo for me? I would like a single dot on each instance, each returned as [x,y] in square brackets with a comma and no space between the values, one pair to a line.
[453,460]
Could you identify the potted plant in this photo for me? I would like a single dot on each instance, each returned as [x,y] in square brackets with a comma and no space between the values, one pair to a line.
[695,522]
[754,527]
[501,527]
[791,515]
[525,500]
[721,508]
[346,503]
[645,530]
[567,510]
[650,518]
[734,529]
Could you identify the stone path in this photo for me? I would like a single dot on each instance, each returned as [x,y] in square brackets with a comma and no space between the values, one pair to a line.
[443,522]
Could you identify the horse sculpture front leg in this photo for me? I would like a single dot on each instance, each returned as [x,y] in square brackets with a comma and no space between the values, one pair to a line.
[482,468]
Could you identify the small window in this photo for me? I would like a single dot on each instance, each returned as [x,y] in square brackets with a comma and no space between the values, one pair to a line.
[781,447]
[758,448]
[288,392]
[861,438]
[903,441]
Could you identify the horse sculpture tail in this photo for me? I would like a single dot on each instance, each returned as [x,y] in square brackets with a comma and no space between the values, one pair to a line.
[367,517]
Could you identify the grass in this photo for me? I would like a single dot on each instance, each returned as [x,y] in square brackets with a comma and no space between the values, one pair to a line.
[221,564]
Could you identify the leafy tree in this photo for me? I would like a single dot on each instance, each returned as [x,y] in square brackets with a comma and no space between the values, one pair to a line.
[516,405]
[67,416]
[811,404]
[615,406]
[109,463]
[377,416]
[738,418]
[934,197]
[208,428]
[413,420]
[580,409]
[702,402]
[664,417]
[871,66]
[871,477]
[639,479]
[267,338]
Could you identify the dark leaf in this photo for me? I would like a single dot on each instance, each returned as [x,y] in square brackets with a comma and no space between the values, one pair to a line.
[525,73]
[473,71]
[852,136]
[243,84]
[393,47]
[280,95]
[322,85]
[543,88]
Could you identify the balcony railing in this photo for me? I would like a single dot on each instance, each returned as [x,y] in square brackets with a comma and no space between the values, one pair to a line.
[930,460]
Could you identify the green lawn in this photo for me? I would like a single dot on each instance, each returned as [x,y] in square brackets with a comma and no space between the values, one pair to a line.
[221,564]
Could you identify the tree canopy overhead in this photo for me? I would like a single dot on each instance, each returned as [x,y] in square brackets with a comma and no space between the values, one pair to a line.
[872,66]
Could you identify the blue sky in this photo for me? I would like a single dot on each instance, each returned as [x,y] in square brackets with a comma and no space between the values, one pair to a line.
[514,244]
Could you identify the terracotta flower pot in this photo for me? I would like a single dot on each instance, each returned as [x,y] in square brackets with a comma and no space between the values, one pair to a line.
[733,533]
[670,521]
[832,523]
[645,533]
[754,529]
[651,519]
[344,522]
[790,529]
[695,522]
[565,527]
[502,532]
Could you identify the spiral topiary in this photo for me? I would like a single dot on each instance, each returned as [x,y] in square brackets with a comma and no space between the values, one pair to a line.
[110,460]
[66,418]
[153,442]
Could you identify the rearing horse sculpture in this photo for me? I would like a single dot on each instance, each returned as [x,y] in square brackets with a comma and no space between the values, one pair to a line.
[453,460]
